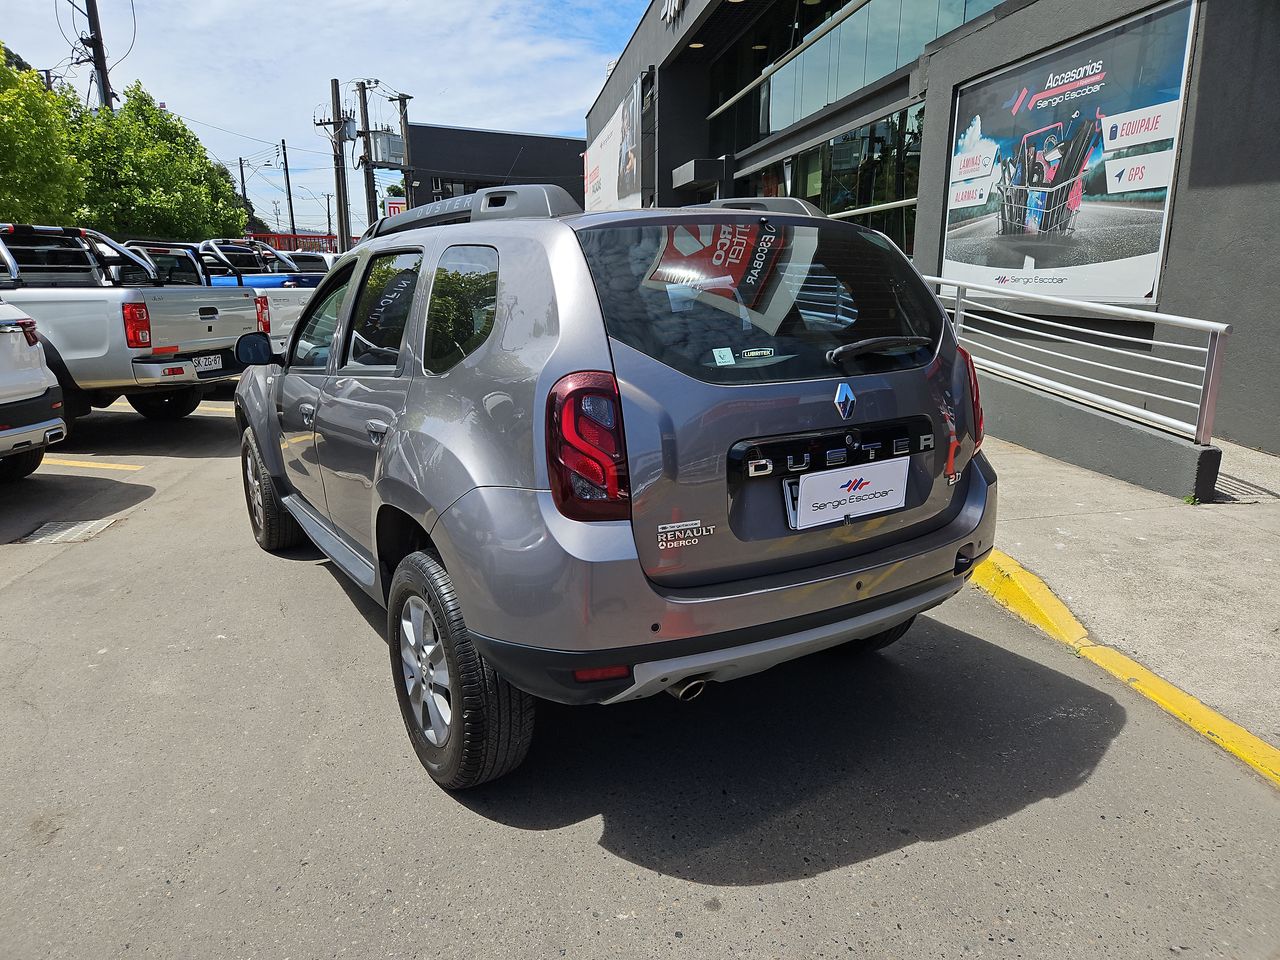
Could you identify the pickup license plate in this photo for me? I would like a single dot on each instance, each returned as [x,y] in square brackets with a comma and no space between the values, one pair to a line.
[830,496]
[212,361]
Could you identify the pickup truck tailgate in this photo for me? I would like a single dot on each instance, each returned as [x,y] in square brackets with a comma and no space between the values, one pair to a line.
[198,319]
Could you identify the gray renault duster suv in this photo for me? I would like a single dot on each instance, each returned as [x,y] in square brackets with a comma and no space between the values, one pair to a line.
[591,457]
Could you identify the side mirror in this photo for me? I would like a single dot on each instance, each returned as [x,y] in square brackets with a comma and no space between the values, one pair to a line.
[254,350]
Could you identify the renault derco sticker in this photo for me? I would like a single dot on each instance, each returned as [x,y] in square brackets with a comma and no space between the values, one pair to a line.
[687,533]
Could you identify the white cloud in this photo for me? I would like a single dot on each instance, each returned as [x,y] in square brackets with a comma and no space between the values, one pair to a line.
[262,68]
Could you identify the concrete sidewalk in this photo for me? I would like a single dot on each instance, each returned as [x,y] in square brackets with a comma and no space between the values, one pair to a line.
[1190,591]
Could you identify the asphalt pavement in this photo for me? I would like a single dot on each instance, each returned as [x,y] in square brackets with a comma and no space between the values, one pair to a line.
[203,758]
[1104,231]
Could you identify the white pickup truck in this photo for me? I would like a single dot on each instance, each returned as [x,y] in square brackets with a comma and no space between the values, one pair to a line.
[280,277]
[111,328]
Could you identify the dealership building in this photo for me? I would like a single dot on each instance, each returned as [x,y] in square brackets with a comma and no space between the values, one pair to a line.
[1113,151]
[452,161]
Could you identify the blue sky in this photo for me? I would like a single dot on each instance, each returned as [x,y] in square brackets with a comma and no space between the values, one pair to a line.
[261,69]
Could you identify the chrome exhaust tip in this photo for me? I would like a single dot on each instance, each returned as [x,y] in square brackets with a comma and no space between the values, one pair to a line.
[687,689]
[54,435]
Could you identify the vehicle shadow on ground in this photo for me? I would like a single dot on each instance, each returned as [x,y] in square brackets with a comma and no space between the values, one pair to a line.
[106,433]
[816,765]
[46,496]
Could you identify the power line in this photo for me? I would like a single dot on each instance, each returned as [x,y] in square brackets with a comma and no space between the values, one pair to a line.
[132,39]
[245,136]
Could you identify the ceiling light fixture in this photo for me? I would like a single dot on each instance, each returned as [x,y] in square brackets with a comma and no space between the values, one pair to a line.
[696,45]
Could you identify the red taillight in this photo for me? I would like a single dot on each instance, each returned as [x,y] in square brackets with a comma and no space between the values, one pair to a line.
[586,456]
[592,674]
[978,427]
[29,331]
[264,314]
[137,324]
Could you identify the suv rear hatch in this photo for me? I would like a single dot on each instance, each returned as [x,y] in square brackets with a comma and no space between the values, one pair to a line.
[750,451]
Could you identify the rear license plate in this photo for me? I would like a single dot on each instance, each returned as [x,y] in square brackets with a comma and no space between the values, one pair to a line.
[212,361]
[848,492]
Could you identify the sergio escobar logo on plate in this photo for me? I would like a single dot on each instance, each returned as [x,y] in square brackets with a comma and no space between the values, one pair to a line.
[835,495]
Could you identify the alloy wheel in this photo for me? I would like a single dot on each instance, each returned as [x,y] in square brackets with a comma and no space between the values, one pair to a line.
[426,671]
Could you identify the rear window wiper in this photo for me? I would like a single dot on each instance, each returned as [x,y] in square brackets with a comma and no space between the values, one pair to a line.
[873,345]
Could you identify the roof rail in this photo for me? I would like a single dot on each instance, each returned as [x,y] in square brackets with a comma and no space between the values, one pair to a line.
[520,201]
[792,205]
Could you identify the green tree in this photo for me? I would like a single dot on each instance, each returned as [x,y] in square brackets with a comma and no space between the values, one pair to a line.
[148,175]
[394,190]
[40,178]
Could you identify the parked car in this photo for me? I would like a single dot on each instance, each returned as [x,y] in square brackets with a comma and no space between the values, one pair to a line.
[593,457]
[30,398]
[111,328]
[227,263]
[313,261]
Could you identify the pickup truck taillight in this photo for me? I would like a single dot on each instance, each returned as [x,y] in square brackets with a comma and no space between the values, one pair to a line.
[264,314]
[137,324]
[29,331]
[975,397]
[586,453]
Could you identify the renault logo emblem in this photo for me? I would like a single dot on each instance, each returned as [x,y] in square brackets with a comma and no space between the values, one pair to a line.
[845,400]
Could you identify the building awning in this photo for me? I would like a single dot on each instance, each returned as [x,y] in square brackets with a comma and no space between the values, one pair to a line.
[697,175]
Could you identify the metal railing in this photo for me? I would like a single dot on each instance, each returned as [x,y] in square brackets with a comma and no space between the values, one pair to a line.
[1081,351]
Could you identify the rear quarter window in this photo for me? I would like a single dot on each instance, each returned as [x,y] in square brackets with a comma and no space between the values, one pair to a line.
[758,299]
[464,305]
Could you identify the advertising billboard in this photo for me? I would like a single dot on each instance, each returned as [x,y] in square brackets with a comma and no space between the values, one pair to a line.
[1061,166]
[612,161]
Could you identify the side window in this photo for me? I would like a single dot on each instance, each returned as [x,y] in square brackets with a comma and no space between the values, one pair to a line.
[311,349]
[464,302]
[382,309]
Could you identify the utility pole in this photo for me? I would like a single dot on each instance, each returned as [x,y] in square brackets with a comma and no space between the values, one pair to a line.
[339,166]
[403,100]
[244,194]
[99,51]
[276,204]
[370,191]
[328,214]
[288,189]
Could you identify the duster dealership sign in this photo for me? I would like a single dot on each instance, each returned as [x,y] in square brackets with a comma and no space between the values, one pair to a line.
[1061,166]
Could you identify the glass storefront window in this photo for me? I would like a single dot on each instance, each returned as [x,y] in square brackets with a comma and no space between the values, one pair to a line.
[877,163]
[881,37]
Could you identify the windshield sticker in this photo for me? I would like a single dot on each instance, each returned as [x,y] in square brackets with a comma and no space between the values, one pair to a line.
[756,353]
[723,355]
[687,533]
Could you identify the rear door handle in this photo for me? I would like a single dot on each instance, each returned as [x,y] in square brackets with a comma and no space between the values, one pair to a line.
[308,412]
[377,430]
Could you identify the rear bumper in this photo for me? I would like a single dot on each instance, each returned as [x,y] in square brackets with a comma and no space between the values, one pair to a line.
[28,424]
[656,666]
[538,584]
[176,370]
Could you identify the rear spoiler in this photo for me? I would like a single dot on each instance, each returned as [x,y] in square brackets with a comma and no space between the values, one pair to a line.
[791,205]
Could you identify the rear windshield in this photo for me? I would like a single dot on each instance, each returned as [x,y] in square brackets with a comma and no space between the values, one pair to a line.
[758,299]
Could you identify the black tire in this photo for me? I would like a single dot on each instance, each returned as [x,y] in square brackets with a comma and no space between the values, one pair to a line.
[20,465]
[489,735]
[167,404]
[877,641]
[273,525]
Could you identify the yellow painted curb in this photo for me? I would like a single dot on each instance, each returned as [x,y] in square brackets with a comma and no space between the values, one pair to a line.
[1013,586]
[91,464]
